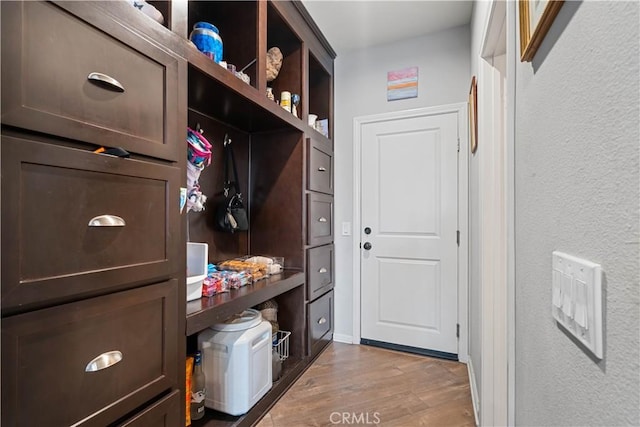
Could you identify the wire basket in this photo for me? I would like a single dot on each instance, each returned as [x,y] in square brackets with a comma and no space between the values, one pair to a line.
[281,343]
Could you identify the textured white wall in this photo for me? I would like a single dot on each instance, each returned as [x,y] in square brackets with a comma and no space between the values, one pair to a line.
[361,89]
[577,190]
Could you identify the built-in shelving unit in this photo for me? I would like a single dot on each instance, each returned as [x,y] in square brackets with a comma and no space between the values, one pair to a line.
[272,152]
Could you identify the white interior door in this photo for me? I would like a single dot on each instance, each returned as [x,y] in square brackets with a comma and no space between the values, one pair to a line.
[409,201]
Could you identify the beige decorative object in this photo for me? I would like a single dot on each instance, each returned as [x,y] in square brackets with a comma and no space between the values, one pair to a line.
[274,62]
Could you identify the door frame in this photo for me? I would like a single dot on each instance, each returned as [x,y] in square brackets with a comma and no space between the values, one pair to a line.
[497,188]
[463,207]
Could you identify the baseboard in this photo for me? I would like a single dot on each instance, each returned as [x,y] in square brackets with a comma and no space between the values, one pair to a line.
[474,392]
[347,339]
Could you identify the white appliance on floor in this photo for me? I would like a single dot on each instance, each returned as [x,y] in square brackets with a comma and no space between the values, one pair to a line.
[236,358]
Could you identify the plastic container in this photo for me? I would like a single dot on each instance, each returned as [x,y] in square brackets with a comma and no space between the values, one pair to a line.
[197,257]
[237,357]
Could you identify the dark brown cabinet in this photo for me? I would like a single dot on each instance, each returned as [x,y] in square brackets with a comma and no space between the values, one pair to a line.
[90,361]
[83,78]
[85,222]
[93,246]
[163,413]
[93,266]
[320,322]
[320,171]
[319,270]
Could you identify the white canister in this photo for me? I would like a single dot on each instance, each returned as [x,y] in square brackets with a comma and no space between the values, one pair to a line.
[285,100]
[312,120]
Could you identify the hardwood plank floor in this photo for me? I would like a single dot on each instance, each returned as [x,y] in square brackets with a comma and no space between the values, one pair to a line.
[361,385]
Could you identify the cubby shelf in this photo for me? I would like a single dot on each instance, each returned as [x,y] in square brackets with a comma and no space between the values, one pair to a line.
[204,312]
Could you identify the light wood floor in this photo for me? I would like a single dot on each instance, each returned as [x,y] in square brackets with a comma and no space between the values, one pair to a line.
[361,385]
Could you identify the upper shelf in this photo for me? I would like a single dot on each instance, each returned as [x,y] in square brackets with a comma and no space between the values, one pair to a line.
[204,312]
[247,29]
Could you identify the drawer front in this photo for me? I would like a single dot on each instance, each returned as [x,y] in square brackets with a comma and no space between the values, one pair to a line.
[46,355]
[319,219]
[320,167]
[50,194]
[46,85]
[319,271]
[164,413]
[320,322]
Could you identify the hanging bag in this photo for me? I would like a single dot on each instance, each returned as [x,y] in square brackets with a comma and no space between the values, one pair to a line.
[231,214]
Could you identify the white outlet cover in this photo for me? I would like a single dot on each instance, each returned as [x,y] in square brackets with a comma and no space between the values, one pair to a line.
[576,301]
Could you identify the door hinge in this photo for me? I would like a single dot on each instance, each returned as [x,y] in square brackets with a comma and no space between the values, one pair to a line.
[458,237]
[458,144]
[457,330]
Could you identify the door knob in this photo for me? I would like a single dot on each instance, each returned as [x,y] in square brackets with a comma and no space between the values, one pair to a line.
[367,246]
[367,230]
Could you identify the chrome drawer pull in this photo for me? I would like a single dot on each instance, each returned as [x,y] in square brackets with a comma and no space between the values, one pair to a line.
[104,361]
[107,221]
[322,219]
[105,81]
[322,270]
[322,321]
[321,169]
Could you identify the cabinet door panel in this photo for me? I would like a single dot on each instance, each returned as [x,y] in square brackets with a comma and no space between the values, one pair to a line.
[164,413]
[319,271]
[320,322]
[319,219]
[47,376]
[320,167]
[51,248]
[99,83]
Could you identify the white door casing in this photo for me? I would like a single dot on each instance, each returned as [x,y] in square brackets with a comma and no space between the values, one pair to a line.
[409,197]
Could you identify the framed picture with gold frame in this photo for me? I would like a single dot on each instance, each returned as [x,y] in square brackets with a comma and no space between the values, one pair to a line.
[536,16]
[473,115]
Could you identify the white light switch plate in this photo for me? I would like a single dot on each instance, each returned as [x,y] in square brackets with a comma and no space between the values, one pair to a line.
[576,301]
[346,229]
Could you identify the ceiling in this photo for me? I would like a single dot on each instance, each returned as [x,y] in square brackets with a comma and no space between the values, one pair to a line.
[351,25]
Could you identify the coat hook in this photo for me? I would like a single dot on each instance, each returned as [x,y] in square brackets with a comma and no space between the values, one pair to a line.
[227,140]
[199,129]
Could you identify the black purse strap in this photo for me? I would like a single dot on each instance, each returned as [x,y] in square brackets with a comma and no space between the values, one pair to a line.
[230,162]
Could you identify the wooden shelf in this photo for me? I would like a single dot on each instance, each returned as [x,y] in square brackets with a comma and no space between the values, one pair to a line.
[216,92]
[205,312]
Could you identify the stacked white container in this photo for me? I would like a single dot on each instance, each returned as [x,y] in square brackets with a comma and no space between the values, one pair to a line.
[236,359]
[197,257]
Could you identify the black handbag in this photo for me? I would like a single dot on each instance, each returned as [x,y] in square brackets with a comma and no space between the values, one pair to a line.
[231,214]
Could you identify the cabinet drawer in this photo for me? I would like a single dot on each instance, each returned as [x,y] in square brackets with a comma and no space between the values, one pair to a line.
[319,167]
[47,376]
[46,85]
[320,322]
[319,219]
[319,271]
[50,194]
[164,413]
